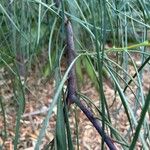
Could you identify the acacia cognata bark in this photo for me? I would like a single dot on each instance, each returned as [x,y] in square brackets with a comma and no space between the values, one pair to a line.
[72,84]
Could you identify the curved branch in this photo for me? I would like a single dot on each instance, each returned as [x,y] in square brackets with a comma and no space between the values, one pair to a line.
[72,84]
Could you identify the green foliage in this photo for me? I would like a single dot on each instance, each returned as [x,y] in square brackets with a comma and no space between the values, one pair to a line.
[31,28]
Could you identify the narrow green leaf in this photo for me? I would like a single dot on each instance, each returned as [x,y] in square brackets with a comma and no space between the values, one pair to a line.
[90,70]
[60,127]
[141,120]
[127,107]
[70,144]
[49,113]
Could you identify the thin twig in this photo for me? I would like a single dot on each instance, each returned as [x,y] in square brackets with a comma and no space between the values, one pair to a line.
[139,69]
[37,112]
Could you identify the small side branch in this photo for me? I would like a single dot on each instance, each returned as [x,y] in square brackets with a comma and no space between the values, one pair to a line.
[95,123]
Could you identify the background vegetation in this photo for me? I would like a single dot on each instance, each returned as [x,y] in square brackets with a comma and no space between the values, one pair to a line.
[111,39]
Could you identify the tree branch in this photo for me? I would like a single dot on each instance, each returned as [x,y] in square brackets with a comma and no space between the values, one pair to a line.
[95,123]
[72,84]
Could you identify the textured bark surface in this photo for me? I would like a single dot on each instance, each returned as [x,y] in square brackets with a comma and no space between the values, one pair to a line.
[72,84]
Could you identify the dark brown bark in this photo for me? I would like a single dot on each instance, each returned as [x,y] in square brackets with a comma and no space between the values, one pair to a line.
[72,84]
